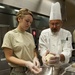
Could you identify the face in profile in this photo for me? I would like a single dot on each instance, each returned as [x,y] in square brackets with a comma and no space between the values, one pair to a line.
[55,25]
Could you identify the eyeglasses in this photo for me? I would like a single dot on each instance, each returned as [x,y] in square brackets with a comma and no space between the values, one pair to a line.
[55,24]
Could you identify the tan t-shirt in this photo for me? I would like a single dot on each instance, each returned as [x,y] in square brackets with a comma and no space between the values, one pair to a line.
[22,44]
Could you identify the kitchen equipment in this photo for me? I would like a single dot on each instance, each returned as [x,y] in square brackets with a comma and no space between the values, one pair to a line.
[70,70]
[46,71]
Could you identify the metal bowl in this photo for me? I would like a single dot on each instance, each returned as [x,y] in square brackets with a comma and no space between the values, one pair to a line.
[46,71]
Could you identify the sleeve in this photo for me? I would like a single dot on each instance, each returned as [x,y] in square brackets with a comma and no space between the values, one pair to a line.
[67,48]
[7,41]
[42,44]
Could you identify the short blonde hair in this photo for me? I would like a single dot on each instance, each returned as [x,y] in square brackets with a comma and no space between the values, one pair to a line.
[22,13]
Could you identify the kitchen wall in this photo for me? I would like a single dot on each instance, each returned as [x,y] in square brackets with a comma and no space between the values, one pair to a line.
[43,7]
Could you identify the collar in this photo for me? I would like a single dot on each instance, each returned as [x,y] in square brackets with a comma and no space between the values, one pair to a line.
[19,30]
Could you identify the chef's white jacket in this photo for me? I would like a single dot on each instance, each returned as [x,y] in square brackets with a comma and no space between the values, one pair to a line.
[60,43]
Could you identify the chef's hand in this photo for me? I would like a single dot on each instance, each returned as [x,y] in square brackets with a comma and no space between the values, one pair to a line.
[36,62]
[54,60]
[44,59]
[33,68]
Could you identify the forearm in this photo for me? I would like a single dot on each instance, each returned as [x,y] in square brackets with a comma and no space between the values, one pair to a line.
[17,61]
[67,54]
[12,59]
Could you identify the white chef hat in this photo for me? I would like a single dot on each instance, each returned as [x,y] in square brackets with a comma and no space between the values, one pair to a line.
[55,11]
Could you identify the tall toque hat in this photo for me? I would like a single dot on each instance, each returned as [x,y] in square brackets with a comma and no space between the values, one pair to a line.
[55,11]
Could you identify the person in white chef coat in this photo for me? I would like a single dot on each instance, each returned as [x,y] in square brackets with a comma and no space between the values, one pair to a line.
[55,40]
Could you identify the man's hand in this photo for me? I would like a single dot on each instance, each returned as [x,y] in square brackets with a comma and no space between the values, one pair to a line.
[54,60]
[50,59]
[44,58]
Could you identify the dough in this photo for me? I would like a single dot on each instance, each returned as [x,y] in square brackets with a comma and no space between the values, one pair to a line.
[48,56]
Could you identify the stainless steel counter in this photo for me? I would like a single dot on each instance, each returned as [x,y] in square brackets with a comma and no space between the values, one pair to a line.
[66,69]
[70,70]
